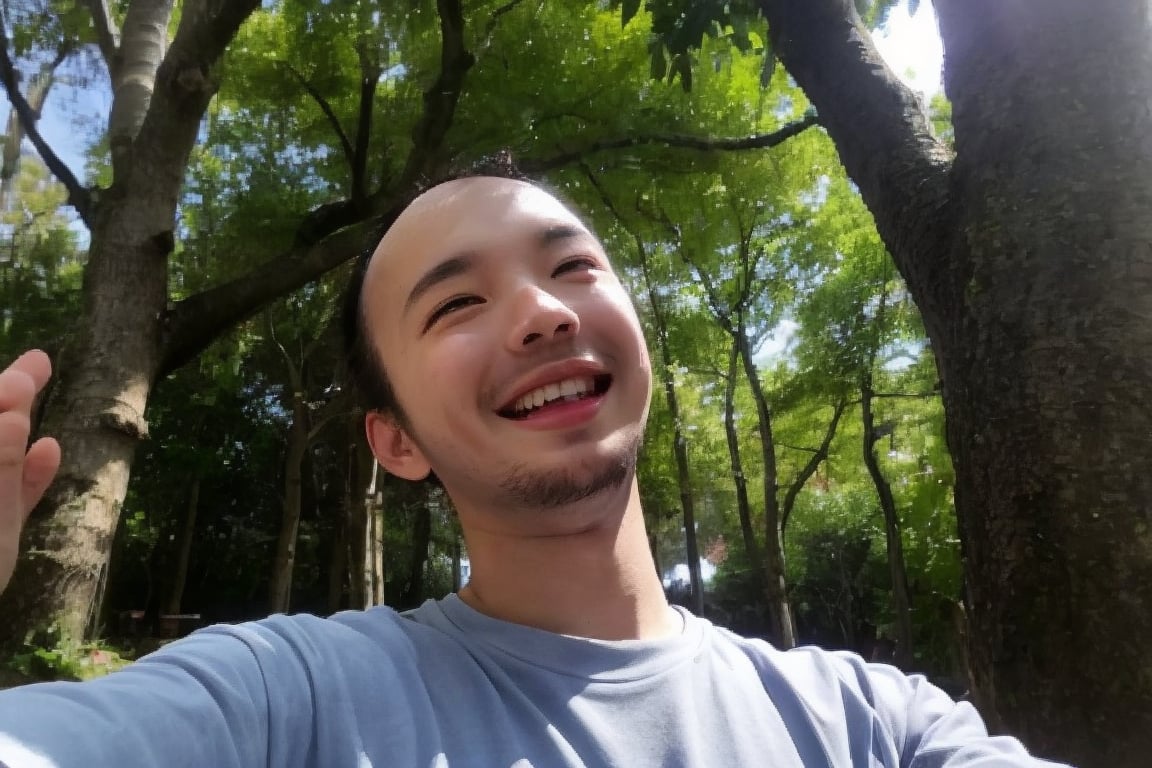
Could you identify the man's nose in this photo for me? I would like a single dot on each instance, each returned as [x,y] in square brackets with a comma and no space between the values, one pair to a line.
[538,317]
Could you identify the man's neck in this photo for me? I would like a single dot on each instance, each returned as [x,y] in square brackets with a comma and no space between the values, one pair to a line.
[599,583]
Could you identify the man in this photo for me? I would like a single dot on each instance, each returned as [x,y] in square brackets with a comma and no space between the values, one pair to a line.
[499,350]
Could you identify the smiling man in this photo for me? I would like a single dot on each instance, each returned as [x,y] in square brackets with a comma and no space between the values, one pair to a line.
[496,348]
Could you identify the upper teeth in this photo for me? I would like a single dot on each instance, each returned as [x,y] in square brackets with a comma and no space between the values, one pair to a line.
[550,392]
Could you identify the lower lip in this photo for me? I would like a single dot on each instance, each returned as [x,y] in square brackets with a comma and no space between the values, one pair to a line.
[564,415]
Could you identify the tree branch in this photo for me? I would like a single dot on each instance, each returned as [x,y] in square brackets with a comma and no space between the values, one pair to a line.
[38,88]
[813,463]
[701,144]
[78,196]
[440,99]
[905,395]
[494,19]
[107,36]
[882,134]
[369,77]
[198,320]
[326,108]
[184,83]
[334,233]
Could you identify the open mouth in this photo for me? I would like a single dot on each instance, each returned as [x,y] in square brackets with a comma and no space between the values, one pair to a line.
[557,393]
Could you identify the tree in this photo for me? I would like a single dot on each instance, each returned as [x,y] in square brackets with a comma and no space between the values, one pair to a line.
[129,335]
[324,118]
[665,364]
[1027,253]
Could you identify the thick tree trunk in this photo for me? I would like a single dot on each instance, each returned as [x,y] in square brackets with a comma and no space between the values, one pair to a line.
[184,549]
[96,411]
[775,589]
[105,373]
[901,603]
[1031,261]
[1045,388]
[743,505]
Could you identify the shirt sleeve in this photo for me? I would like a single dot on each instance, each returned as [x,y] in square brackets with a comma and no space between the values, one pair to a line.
[930,729]
[201,701]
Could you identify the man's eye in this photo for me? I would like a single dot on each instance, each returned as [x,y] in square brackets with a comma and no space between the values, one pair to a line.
[578,264]
[450,306]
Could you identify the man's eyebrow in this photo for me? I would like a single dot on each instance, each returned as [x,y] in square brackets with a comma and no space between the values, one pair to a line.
[557,232]
[445,270]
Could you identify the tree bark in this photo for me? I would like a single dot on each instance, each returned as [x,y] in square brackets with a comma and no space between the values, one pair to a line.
[374,554]
[280,585]
[819,455]
[122,343]
[679,445]
[138,58]
[668,382]
[184,549]
[96,408]
[893,537]
[1030,259]
[743,505]
[413,593]
[775,590]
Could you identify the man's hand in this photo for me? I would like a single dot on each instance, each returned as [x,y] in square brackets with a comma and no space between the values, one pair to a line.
[25,472]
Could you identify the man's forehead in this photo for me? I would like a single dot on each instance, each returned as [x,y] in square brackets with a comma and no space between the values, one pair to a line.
[454,215]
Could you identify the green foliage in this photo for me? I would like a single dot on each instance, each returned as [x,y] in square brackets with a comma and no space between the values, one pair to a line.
[82,662]
[681,30]
[780,235]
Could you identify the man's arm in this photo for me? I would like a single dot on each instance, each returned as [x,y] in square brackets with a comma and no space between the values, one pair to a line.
[199,702]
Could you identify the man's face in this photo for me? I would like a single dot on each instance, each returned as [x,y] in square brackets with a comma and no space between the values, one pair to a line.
[512,347]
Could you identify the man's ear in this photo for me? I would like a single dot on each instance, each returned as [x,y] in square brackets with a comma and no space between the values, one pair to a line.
[393,448]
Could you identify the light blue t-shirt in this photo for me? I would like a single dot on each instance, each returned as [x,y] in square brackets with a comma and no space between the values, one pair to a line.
[445,686]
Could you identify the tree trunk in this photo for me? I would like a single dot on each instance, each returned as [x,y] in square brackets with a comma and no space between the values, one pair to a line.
[1030,258]
[679,446]
[901,603]
[457,579]
[128,334]
[95,410]
[105,373]
[743,505]
[775,591]
[184,549]
[280,587]
[143,45]
[413,593]
[1045,384]
[374,536]
[338,563]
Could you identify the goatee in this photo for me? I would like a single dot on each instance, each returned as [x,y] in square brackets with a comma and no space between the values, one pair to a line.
[531,489]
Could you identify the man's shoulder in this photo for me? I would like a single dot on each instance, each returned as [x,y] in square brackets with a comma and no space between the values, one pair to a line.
[378,625]
[810,672]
